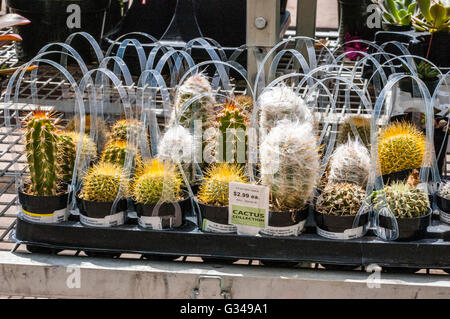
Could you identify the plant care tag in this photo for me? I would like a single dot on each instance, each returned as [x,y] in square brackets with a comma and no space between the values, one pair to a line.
[210,226]
[58,216]
[153,222]
[445,217]
[248,207]
[348,234]
[293,230]
[108,221]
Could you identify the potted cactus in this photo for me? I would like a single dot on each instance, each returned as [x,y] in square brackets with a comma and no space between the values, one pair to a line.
[214,193]
[427,73]
[408,204]
[401,147]
[43,197]
[336,209]
[100,189]
[443,201]
[116,151]
[290,164]
[159,199]
[352,124]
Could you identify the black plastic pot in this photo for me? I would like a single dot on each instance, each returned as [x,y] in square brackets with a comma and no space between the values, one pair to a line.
[406,85]
[99,209]
[440,141]
[286,219]
[166,212]
[43,204]
[440,48]
[353,19]
[396,27]
[49,23]
[337,224]
[401,176]
[216,214]
[443,203]
[408,228]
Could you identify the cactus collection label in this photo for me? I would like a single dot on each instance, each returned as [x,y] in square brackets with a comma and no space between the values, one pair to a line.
[58,216]
[248,207]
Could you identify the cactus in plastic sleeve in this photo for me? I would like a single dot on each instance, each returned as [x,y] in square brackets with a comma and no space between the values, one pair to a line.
[102,128]
[341,199]
[401,146]
[202,109]
[403,200]
[177,145]
[358,123]
[233,121]
[215,185]
[41,151]
[281,102]
[102,183]
[244,102]
[158,181]
[350,163]
[445,190]
[116,151]
[67,151]
[290,164]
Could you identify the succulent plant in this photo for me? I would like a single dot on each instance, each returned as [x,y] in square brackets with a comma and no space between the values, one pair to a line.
[122,128]
[102,129]
[427,72]
[445,190]
[360,124]
[157,181]
[397,12]
[233,120]
[215,186]
[403,200]
[279,103]
[102,183]
[41,150]
[67,151]
[202,109]
[401,146]
[290,164]
[341,199]
[116,151]
[350,163]
[434,16]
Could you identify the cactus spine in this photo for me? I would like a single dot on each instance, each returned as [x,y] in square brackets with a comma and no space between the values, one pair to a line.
[102,183]
[122,128]
[290,164]
[116,151]
[358,123]
[245,103]
[341,199]
[158,182]
[401,146]
[279,103]
[215,186]
[67,151]
[403,200]
[41,150]
[350,163]
[232,123]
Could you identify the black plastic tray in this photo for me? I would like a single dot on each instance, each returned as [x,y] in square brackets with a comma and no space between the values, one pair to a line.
[431,252]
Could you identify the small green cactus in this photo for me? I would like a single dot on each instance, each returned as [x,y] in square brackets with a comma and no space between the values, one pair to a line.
[122,128]
[67,151]
[403,200]
[158,181]
[445,190]
[116,151]
[41,151]
[102,183]
[215,186]
[341,199]
[358,123]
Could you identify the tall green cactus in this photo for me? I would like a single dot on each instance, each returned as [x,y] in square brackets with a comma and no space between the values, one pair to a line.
[41,150]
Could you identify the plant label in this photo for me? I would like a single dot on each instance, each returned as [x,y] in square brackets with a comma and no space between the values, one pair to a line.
[248,207]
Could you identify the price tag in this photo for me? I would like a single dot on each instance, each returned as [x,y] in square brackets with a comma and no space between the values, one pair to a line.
[248,207]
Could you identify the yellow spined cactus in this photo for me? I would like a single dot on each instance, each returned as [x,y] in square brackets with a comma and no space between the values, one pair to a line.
[157,181]
[214,188]
[401,146]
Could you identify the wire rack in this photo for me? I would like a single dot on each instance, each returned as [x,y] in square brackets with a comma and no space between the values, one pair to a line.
[51,90]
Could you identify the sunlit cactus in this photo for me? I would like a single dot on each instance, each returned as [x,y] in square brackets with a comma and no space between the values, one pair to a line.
[342,199]
[352,124]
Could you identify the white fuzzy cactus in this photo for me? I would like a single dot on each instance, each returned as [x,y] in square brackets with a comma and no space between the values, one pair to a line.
[202,109]
[281,102]
[445,190]
[290,164]
[177,145]
[350,163]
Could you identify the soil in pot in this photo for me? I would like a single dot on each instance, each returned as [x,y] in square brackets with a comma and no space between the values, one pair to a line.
[169,215]
[408,228]
[98,213]
[342,226]
[215,219]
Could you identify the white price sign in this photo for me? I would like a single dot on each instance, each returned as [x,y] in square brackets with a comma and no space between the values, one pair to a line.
[248,207]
